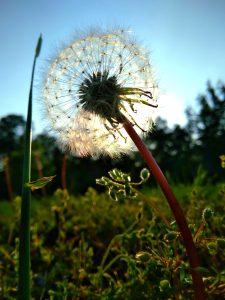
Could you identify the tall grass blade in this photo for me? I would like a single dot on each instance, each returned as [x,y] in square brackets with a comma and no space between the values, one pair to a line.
[24,246]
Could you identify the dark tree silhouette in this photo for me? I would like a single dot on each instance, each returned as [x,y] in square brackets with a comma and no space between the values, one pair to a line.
[11,131]
[11,135]
[208,128]
[172,148]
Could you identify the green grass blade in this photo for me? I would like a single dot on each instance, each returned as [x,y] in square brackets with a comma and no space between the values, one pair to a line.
[24,247]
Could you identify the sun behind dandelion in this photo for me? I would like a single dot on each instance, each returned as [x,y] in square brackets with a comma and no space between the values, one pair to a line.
[91,85]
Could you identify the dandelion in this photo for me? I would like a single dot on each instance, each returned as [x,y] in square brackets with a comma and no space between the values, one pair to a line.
[91,85]
[99,94]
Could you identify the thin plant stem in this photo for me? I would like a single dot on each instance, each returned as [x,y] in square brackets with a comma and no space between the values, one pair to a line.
[8,177]
[24,245]
[63,171]
[112,262]
[112,242]
[199,289]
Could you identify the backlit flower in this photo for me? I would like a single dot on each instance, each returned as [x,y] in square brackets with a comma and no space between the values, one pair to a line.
[91,84]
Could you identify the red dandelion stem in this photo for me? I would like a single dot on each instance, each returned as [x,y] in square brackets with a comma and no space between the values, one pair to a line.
[199,289]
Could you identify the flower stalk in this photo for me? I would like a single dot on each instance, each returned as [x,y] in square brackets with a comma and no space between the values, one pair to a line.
[199,289]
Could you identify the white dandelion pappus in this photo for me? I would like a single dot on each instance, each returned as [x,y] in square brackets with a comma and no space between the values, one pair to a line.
[91,84]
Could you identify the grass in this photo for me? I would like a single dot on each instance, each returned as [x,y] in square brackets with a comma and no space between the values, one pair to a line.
[140,256]
[24,245]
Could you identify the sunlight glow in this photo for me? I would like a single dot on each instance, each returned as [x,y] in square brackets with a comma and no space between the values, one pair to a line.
[171,108]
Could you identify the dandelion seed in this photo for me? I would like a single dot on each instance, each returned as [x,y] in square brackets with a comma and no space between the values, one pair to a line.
[91,84]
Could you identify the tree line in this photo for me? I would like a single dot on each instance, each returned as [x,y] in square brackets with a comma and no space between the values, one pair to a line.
[179,150]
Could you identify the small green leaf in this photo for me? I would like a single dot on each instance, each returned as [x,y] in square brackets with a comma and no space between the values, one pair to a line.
[172,235]
[202,270]
[164,285]
[144,174]
[207,214]
[221,243]
[114,174]
[39,183]
[212,248]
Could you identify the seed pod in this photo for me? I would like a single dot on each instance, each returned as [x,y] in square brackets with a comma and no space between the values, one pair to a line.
[92,82]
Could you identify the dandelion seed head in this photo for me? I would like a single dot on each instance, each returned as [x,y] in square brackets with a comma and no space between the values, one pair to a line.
[90,84]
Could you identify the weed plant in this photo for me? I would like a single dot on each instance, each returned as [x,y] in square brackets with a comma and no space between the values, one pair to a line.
[92,247]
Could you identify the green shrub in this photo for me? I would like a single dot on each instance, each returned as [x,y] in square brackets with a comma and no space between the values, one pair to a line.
[91,247]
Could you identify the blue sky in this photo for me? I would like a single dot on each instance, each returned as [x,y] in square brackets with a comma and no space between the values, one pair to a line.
[186,40]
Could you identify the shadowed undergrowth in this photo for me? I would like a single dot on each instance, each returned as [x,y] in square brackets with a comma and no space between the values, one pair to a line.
[91,247]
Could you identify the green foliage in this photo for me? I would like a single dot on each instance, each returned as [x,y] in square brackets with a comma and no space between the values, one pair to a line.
[120,185]
[90,247]
[39,183]
[222,158]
